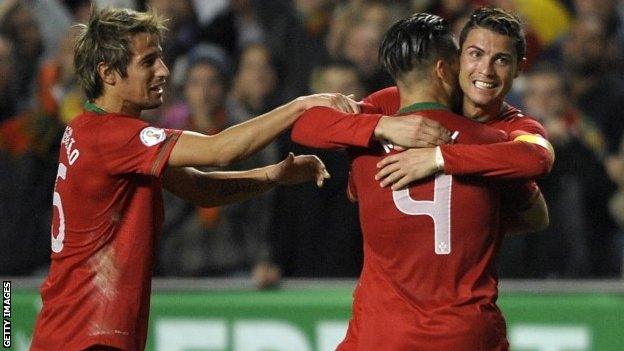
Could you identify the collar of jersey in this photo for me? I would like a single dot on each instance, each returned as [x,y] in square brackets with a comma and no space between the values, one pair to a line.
[89,106]
[423,106]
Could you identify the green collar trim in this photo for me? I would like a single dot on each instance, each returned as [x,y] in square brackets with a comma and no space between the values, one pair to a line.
[423,106]
[89,106]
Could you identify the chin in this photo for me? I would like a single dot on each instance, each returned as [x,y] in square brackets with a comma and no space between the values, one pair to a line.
[482,99]
[153,104]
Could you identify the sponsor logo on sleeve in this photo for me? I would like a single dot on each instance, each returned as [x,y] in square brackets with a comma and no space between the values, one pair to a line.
[151,136]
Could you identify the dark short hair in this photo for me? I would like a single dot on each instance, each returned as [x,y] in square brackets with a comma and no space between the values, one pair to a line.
[106,38]
[416,43]
[498,21]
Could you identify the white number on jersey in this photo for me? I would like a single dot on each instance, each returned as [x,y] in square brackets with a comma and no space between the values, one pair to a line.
[439,210]
[57,242]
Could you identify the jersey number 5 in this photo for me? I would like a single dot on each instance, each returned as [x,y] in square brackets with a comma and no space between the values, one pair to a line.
[439,210]
[57,242]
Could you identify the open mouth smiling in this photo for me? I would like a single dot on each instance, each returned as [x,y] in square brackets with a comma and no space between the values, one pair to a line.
[484,85]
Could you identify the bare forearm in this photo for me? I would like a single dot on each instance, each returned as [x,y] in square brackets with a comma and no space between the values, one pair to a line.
[240,141]
[236,142]
[219,188]
[209,189]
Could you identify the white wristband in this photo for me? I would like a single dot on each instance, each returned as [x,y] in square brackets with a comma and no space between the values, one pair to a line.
[439,160]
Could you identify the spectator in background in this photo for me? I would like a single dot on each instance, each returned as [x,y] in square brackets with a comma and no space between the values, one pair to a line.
[28,137]
[18,253]
[59,95]
[203,78]
[235,27]
[590,60]
[8,83]
[315,15]
[573,190]
[295,50]
[337,76]
[328,238]
[19,25]
[236,236]
[356,32]
[183,27]
[604,11]
[451,10]
[254,84]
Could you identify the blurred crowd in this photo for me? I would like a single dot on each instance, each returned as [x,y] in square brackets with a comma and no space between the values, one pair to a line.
[231,60]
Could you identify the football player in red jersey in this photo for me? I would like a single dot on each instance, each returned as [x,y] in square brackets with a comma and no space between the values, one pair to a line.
[428,281]
[492,47]
[107,200]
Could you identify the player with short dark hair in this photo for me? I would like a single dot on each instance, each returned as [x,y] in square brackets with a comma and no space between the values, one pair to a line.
[488,65]
[428,281]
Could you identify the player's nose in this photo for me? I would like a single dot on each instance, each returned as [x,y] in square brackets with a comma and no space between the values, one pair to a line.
[161,69]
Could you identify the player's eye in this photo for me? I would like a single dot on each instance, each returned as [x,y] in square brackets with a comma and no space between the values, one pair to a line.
[474,53]
[502,61]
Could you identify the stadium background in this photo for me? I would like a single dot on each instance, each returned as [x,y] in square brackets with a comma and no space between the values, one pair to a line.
[230,60]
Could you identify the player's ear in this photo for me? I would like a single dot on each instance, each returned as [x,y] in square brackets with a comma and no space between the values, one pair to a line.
[106,73]
[521,66]
[444,71]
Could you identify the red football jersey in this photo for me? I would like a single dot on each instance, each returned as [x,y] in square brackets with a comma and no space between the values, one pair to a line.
[428,281]
[414,294]
[513,161]
[108,213]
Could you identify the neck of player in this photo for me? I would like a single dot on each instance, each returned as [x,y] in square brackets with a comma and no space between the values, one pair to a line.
[112,104]
[416,93]
[481,113]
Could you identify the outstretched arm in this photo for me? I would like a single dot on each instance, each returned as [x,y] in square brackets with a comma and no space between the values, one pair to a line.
[209,189]
[240,141]
[326,128]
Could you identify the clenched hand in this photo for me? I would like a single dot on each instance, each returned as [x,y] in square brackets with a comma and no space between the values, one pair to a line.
[298,169]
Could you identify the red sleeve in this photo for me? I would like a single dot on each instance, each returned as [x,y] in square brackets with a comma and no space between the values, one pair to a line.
[520,125]
[128,145]
[506,160]
[325,128]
